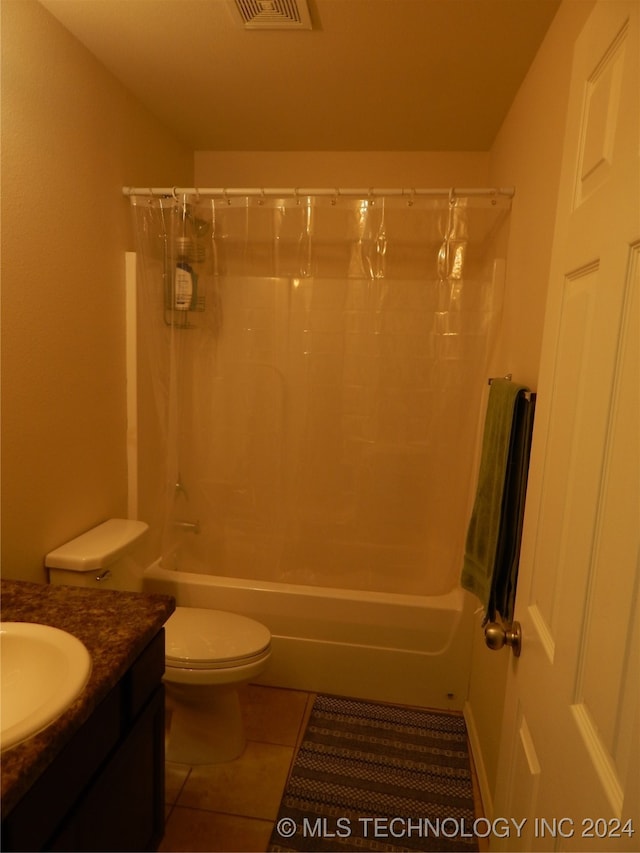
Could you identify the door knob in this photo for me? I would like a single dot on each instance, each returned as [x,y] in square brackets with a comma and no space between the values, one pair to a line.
[496,636]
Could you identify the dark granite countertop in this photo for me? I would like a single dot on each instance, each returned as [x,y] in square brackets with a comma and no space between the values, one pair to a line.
[114,626]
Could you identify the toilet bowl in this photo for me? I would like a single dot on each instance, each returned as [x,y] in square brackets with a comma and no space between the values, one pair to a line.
[208,655]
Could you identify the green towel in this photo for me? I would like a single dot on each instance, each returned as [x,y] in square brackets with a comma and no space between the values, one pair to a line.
[493,536]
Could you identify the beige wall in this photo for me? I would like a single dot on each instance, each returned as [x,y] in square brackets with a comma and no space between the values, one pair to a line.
[526,154]
[340,168]
[72,136]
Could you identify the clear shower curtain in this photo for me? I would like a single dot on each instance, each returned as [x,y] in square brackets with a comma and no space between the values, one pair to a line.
[318,366]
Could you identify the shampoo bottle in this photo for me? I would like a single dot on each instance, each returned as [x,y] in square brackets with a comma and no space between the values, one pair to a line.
[184,286]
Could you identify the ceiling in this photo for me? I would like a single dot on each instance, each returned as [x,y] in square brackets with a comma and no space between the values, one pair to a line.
[372,75]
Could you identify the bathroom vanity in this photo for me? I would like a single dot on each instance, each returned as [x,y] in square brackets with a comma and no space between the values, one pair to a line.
[94,778]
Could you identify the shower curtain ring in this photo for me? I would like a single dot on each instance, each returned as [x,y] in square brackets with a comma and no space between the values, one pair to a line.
[452,196]
[174,193]
[225,196]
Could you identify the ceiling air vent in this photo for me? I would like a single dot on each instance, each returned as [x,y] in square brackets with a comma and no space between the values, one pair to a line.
[274,14]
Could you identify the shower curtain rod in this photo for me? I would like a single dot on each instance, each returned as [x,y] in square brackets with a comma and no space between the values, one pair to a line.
[294,192]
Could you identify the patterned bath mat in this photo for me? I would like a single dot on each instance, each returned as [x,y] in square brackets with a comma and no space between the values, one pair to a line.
[370,776]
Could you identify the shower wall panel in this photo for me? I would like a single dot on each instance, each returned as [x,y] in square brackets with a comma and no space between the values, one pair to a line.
[333,446]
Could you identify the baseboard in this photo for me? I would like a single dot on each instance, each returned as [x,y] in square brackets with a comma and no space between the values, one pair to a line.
[478,760]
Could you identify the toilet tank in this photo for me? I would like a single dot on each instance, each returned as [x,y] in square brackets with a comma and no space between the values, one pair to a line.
[103,557]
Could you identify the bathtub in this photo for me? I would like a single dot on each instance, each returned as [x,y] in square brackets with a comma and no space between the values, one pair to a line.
[382,646]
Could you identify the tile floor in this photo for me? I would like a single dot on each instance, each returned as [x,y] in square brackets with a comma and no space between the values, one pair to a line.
[232,806]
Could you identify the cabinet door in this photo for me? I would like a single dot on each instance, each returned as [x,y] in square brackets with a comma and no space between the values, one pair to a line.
[124,808]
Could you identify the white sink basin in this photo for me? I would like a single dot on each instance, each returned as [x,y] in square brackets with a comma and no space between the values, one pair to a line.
[42,671]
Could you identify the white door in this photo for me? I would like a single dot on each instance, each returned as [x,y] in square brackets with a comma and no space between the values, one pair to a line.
[570,761]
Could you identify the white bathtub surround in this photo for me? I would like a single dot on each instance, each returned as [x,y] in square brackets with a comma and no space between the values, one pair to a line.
[380,646]
[318,400]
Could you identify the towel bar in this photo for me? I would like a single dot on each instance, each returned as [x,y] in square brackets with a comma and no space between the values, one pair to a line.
[528,395]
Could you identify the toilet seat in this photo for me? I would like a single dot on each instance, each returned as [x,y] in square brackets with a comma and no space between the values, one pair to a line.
[200,639]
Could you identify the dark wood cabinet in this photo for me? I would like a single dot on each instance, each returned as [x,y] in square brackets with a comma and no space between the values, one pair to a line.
[105,789]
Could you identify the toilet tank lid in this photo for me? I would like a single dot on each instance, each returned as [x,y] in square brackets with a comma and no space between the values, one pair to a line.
[98,547]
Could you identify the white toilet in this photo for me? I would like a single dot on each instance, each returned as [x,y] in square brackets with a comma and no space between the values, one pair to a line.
[208,653]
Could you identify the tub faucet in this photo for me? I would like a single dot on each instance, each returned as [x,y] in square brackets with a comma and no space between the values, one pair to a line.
[188,526]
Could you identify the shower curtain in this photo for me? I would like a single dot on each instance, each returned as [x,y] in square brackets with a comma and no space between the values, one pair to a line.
[318,366]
